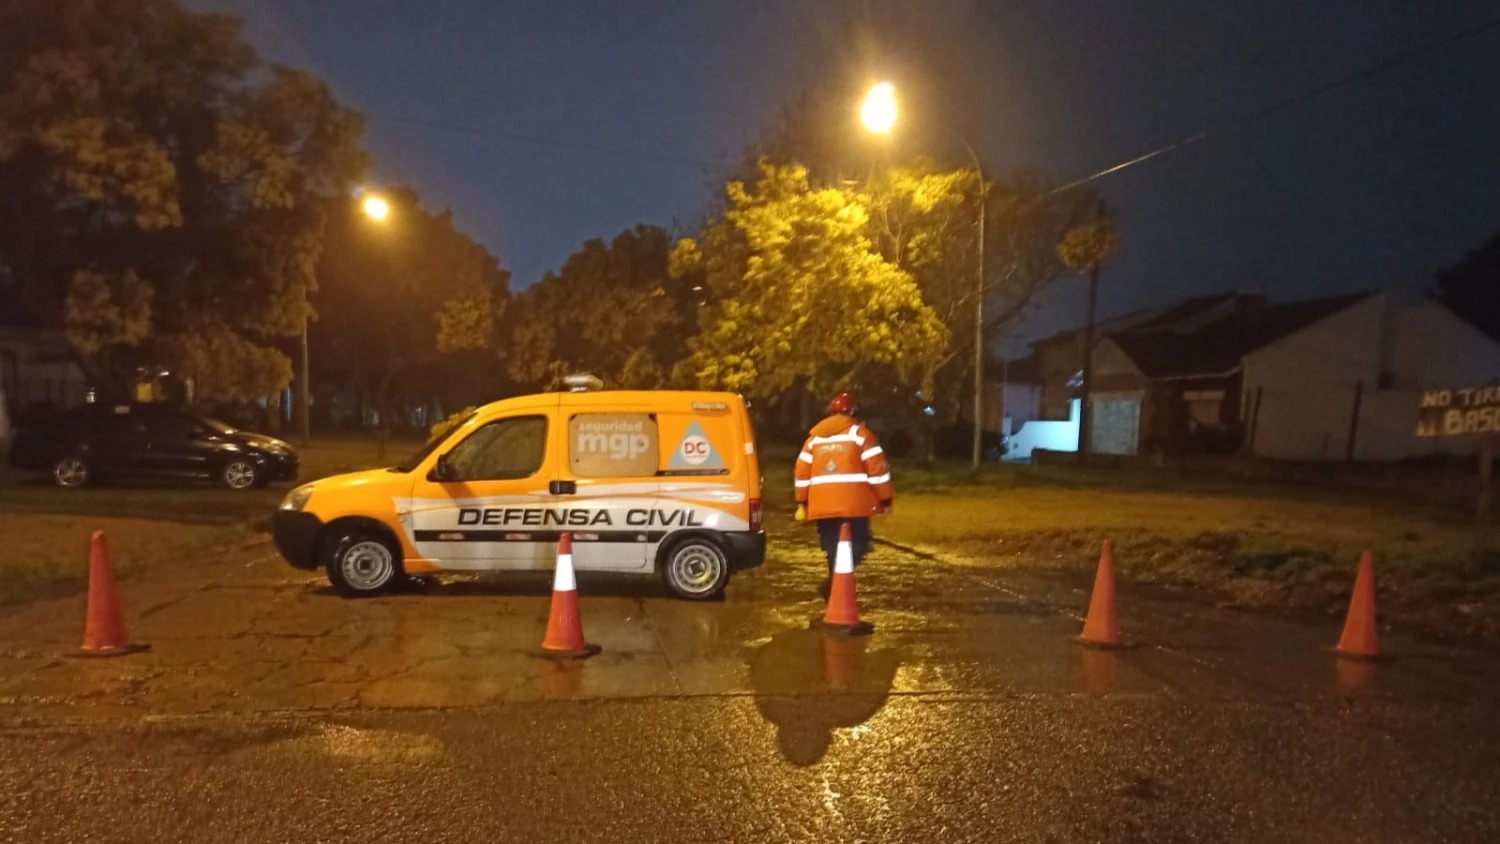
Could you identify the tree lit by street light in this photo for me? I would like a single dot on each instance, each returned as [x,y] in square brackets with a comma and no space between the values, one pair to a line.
[376,208]
[878,111]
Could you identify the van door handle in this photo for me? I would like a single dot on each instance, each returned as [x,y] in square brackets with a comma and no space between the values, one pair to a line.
[563,487]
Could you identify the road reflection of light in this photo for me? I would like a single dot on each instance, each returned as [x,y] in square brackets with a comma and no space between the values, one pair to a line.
[1099,668]
[561,679]
[830,798]
[1354,676]
[378,746]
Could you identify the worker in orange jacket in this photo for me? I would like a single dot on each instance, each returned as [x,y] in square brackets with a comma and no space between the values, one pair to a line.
[842,476]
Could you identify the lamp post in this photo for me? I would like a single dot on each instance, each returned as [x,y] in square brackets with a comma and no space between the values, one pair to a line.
[374,207]
[877,113]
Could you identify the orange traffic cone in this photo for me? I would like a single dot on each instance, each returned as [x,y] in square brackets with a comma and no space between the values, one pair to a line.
[1102,627]
[1358,641]
[104,630]
[564,627]
[842,615]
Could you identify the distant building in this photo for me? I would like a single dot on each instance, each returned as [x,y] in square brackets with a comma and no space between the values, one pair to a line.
[1348,386]
[1322,379]
[39,372]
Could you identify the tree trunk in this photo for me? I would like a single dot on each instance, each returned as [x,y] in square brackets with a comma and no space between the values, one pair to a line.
[273,413]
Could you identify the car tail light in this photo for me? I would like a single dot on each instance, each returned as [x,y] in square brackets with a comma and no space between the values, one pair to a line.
[755,514]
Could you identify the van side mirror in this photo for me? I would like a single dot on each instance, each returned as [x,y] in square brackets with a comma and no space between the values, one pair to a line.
[443,470]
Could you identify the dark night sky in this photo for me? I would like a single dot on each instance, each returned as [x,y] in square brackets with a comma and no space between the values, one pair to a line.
[1373,185]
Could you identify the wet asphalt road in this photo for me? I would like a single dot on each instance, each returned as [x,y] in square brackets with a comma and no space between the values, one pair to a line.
[270,710]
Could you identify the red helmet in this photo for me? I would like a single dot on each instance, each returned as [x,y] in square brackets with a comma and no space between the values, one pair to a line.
[843,403]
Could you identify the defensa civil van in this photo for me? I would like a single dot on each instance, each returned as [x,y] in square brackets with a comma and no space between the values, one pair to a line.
[654,482]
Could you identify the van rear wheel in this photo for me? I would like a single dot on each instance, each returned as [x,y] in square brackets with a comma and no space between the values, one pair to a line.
[696,569]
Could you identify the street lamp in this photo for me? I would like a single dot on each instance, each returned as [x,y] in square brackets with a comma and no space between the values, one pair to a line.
[377,208]
[877,113]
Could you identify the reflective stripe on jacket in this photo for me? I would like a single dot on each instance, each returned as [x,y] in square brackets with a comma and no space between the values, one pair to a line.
[841,472]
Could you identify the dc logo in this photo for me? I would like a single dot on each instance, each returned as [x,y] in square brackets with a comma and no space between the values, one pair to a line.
[695,450]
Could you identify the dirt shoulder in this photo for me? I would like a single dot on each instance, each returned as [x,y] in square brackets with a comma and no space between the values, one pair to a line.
[47,556]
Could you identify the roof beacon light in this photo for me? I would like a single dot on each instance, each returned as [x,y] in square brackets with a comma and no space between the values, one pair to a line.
[582,383]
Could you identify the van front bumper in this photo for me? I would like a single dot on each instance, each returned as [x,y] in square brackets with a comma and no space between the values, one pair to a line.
[296,537]
[747,550]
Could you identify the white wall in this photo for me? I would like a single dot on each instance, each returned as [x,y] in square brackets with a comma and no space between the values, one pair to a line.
[1309,378]
[1051,435]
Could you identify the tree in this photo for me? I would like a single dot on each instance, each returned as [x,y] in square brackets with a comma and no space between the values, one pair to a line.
[612,310]
[408,310]
[797,294]
[1471,287]
[147,156]
[925,219]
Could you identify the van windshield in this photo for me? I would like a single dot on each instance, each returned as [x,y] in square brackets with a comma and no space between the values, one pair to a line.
[432,445]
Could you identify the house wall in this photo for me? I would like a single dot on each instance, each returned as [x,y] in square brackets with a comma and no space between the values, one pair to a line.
[1058,361]
[1021,403]
[1307,382]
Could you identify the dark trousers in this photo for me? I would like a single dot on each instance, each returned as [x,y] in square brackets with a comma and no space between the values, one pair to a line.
[859,532]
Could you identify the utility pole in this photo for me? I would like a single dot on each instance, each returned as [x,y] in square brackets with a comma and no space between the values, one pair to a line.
[979,321]
[1085,410]
[304,414]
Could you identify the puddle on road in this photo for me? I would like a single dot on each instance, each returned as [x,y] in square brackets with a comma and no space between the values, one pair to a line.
[809,684]
[381,747]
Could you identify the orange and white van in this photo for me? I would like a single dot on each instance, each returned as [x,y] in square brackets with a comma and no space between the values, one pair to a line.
[652,482]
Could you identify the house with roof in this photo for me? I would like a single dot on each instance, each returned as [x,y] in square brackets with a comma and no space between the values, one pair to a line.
[39,372]
[1349,385]
[1318,379]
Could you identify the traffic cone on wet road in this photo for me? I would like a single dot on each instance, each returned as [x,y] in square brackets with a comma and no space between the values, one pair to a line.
[842,615]
[564,626]
[1358,641]
[1102,627]
[104,629]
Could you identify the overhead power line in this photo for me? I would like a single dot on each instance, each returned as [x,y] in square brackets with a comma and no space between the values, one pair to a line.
[1297,99]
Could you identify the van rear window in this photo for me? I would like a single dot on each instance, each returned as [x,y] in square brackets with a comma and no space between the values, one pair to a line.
[612,445]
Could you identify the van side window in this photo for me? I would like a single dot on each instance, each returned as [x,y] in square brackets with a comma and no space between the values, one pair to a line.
[507,449]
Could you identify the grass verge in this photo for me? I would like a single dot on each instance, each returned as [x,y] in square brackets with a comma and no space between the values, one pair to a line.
[1260,546]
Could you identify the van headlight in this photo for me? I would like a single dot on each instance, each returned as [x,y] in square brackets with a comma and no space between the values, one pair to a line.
[297,498]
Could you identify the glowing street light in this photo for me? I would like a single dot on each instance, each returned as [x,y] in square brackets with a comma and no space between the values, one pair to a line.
[878,114]
[375,207]
[878,111]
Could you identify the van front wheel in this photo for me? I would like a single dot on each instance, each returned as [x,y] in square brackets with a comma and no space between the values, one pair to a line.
[696,569]
[361,563]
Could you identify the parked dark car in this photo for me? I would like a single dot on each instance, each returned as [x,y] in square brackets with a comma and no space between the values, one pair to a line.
[97,442]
